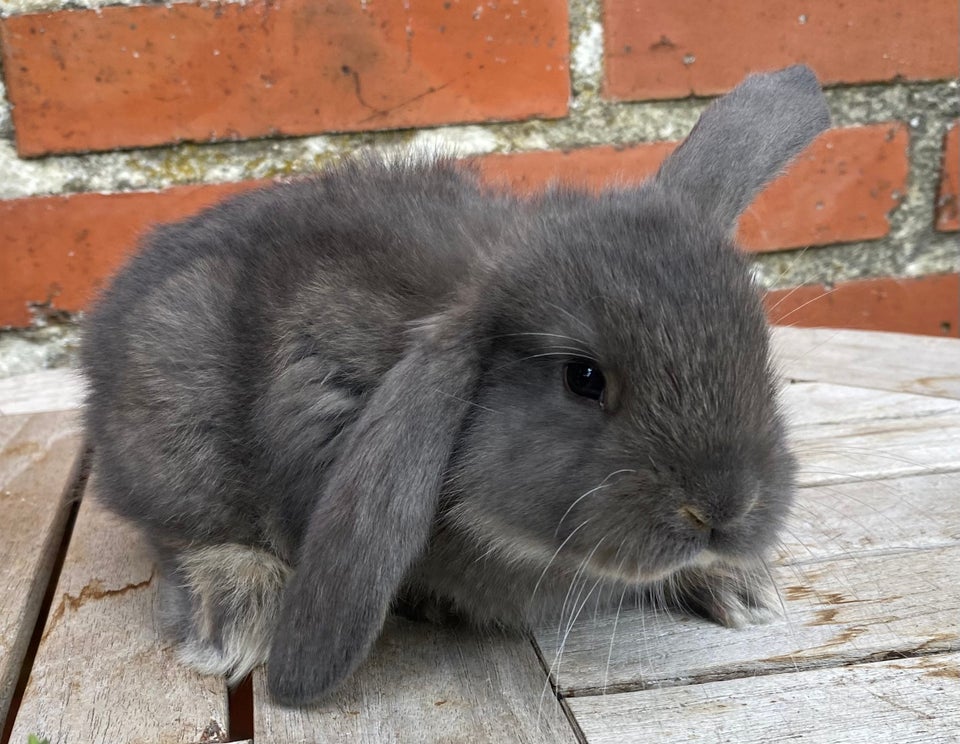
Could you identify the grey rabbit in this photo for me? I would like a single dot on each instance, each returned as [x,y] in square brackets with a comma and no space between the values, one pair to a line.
[390,386]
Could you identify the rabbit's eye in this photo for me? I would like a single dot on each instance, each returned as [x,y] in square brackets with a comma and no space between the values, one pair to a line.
[583,377]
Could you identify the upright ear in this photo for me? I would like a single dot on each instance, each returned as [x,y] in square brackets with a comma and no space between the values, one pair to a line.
[372,521]
[744,139]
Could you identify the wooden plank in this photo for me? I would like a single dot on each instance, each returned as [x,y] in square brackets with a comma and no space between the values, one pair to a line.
[905,700]
[838,612]
[873,449]
[36,392]
[810,403]
[38,456]
[101,674]
[887,361]
[843,434]
[851,519]
[428,684]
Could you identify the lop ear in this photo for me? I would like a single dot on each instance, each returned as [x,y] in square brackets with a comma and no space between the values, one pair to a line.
[744,139]
[372,521]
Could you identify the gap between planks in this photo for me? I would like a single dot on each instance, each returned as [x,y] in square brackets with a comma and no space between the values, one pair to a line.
[74,495]
[562,700]
[424,683]
[43,470]
[100,673]
[914,700]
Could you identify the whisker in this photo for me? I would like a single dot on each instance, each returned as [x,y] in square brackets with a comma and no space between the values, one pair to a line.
[462,400]
[803,305]
[575,340]
[797,257]
[573,620]
[565,353]
[814,348]
[559,653]
[566,599]
[603,484]
[553,557]
[572,317]
[613,635]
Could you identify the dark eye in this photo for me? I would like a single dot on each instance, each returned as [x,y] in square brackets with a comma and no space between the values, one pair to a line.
[583,377]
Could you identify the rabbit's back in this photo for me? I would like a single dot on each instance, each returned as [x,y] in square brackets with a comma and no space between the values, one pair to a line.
[241,342]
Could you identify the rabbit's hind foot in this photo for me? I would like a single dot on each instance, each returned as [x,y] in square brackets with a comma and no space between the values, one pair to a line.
[220,604]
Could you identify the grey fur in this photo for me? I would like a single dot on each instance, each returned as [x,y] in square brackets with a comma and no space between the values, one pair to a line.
[753,132]
[359,377]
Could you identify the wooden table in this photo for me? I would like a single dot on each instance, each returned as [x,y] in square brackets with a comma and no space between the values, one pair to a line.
[869,568]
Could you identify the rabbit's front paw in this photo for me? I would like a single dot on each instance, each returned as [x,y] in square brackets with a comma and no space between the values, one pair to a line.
[730,595]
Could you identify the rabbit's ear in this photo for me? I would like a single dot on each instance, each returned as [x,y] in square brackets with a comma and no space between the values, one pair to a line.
[744,139]
[373,519]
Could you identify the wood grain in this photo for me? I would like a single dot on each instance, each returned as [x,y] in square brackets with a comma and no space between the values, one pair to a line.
[847,520]
[427,684]
[843,434]
[885,361]
[101,673]
[38,455]
[838,612]
[36,392]
[812,403]
[912,701]
[877,449]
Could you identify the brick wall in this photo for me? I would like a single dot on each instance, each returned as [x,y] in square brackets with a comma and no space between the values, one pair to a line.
[120,117]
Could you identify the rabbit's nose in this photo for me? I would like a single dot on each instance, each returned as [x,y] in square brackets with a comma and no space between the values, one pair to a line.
[723,499]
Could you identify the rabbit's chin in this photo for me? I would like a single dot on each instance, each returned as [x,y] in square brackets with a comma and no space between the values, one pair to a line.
[512,546]
[641,575]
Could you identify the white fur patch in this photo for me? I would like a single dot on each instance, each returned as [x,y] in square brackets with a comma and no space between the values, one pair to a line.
[239,588]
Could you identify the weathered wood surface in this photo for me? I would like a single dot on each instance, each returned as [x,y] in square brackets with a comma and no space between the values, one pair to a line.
[53,390]
[849,519]
[909,701]
[868,567]
[426,684]
[839,440]
[885,361]
[821,403]
[838,612]
[38,454]
[101,673]
[838,453]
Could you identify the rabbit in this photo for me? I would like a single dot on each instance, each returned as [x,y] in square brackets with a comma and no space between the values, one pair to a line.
[389,386]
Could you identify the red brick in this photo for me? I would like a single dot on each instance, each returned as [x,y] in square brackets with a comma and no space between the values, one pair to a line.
[657,49]
[948,200]
[840,190]
[60,250]
[132,76]
[589,167]
[928,305]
